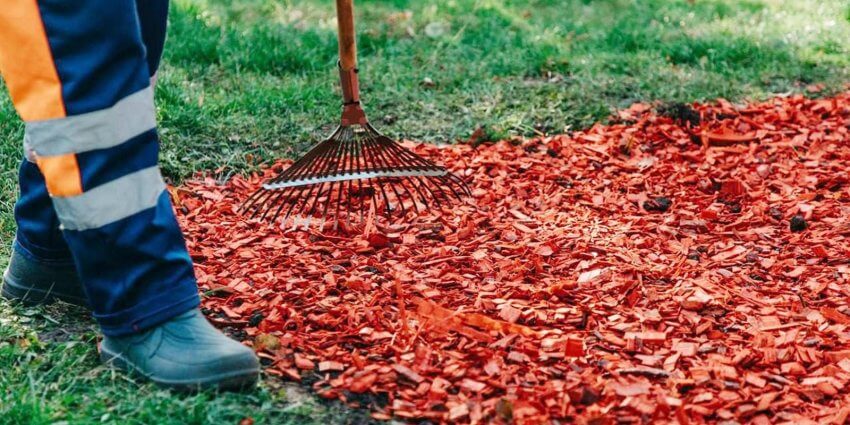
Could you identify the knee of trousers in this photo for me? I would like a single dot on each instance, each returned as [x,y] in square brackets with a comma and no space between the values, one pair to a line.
[99,167]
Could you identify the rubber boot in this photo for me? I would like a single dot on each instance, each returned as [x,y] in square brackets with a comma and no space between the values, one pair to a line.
[185,353]
[32,282]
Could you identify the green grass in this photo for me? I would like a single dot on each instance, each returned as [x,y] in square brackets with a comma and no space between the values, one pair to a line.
[254,79]
[50,373]
[247,81]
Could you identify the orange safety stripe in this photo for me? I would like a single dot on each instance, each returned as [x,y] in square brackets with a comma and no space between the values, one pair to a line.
[61,174]
[26,62]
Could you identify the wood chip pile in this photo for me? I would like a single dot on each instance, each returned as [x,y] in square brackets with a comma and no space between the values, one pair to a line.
[688,267]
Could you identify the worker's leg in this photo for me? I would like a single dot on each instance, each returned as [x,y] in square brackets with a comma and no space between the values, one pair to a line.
[77,74]
[38,227]
[41,268]
[153,18]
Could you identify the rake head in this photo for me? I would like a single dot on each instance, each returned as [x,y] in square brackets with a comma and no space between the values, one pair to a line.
[354,171]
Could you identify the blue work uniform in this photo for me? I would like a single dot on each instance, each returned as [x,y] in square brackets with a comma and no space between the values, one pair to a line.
[79,74]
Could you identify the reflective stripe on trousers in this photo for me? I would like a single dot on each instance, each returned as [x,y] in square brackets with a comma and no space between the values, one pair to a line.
[91,189]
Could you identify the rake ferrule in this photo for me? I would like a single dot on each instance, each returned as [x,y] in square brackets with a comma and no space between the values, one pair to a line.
[350,84]
[352,112]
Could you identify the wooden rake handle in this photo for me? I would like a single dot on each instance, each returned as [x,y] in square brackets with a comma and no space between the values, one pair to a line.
[347,39]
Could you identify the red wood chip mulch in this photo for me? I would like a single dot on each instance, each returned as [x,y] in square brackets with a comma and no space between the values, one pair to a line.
[690,269]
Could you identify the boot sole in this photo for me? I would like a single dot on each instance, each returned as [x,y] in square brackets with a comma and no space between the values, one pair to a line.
[32,296]
[231,381]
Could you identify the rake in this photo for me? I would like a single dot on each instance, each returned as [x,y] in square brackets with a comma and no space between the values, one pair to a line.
[357,169]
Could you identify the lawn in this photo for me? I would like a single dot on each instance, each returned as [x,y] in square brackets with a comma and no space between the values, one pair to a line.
[247,81]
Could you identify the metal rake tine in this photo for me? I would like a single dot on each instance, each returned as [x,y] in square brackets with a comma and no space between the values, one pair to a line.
[256,202]
[428,188]
[292,200]
[324,154]
[369,142]
[322,160]
[373,197]
[396,154]
[328,202]
[299,165]
[398,196]
[364,152]
[339,200]
[252,201]
[330,167]
[270,202]
[442,196]
[341,162]
[357,158]
[448,184]
[424,201]
[446,196]
[280,204]
[394,184]
[319,197]
[275,200]
[460,182]
[386,199]
[350,183]
[315,198]
[409,155]
[356,152]
[399,201]
[386,165]
[301,205]
[392,153]
[299,168]
[360,195]
[348,201]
